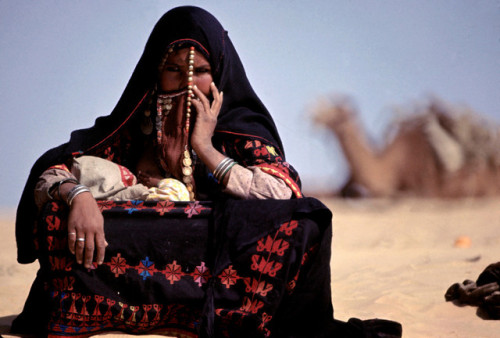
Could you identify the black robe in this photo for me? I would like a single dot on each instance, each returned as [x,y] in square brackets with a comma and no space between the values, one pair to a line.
[214,267]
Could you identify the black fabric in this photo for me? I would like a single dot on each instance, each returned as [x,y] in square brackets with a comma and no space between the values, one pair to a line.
[484,292]
[187,268]
[153,276]
[242,116]
[491,274]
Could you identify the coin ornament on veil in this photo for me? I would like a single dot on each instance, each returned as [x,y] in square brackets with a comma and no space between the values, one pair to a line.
[186,161]
[187,171]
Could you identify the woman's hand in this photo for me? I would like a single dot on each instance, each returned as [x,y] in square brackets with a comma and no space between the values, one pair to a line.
[204,127]
[206,118]
[148,180]
[86,230]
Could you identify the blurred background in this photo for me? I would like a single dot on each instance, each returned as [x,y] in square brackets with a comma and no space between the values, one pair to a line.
[63,64]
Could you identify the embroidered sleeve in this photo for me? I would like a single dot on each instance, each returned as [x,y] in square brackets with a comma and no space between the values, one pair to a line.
[47,179]
[253,183]
[252,153]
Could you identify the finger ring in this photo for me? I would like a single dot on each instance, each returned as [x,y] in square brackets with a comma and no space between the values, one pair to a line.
[81,239]
[71,233]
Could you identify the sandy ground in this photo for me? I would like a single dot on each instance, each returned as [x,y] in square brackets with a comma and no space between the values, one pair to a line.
[390,259]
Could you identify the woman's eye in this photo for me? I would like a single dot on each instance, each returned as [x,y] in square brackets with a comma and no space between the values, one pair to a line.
[172,69]
[202,70]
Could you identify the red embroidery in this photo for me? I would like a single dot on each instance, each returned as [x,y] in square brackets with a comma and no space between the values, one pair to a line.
[118,265]
[264,266]
[252,306]
[165,207]
[173,272]
[60,263]
[229,277]
[288,227]
[271,245]
[258,287]
[65,283]
[128,179]
[53,222]
[105,205]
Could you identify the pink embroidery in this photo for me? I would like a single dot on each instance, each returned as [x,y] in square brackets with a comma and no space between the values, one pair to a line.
[193,209]
[201,274]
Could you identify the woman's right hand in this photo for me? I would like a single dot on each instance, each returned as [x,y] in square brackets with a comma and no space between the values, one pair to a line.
[86,230]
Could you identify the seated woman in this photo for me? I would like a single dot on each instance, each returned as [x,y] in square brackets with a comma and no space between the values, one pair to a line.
[264,250]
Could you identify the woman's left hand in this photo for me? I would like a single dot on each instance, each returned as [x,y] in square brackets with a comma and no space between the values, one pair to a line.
[206,118]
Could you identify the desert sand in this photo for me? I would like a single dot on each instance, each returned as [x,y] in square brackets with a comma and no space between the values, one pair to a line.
[391,259]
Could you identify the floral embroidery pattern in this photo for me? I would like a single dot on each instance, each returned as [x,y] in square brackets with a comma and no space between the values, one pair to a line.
[254,279]
[266,264]
[201,274]
[146,268]
[118,265]
[229,277]
[165,207]
[172,272]
[161,208]
[193,209]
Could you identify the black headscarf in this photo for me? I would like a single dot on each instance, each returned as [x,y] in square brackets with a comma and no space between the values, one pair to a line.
[242,116]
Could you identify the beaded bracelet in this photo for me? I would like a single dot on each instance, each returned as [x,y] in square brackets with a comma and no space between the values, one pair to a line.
[57,185]
[76,190]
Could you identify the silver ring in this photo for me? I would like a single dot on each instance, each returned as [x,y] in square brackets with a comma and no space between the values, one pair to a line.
[71,233]
[81,239]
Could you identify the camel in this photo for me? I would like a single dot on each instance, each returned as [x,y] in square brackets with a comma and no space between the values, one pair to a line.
[436,151]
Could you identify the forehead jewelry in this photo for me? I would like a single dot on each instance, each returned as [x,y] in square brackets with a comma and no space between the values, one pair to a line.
[187,170]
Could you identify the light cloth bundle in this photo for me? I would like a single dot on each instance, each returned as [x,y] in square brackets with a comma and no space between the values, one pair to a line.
[169,189]
[107,180]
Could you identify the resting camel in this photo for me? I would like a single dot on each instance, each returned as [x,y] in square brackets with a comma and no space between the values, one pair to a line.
[437,151]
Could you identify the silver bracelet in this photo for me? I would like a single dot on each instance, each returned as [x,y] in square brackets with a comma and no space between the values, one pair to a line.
[75,191]
[223,175]
[219,167]
[57,186]
[222,168]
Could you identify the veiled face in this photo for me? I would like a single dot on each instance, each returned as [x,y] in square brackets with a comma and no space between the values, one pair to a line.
[175,73]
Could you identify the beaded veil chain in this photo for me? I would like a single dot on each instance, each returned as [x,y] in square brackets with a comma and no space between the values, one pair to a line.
[164,105]
[187,170]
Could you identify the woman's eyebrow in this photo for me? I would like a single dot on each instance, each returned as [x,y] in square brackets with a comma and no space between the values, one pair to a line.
[202,64]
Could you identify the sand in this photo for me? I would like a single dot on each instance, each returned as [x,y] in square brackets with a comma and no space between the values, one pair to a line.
[391,259]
